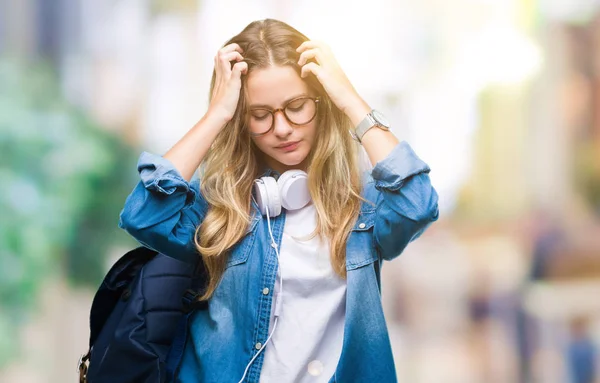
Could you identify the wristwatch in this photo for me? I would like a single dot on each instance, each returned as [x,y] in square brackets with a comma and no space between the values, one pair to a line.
[372,119]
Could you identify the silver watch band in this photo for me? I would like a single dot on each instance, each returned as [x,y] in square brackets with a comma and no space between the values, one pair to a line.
[367,123]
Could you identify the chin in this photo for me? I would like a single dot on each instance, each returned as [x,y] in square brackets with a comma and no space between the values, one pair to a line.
[293,159]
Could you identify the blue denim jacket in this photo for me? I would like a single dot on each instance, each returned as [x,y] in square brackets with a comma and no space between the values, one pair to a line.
[164,210]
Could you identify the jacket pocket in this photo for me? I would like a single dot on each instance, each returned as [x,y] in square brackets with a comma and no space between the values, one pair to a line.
[360,249]
[241,250]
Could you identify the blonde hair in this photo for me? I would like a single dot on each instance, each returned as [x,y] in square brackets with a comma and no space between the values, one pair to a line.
[234,162]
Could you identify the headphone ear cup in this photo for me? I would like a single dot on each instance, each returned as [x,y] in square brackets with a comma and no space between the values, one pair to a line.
[274,197]
[267,193]
[293,188]
[261,195]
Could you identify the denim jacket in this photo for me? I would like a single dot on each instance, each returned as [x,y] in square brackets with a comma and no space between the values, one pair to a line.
[164,210]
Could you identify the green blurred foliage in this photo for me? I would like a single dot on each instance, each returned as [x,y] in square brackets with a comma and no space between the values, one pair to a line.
[64,181]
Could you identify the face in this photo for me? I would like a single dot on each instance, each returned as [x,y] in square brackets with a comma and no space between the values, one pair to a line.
[273,88]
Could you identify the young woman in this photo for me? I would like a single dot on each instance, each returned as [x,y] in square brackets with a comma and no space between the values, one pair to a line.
[292,233]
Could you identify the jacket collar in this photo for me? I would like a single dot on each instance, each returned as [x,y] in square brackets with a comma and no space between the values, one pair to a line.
[268,172]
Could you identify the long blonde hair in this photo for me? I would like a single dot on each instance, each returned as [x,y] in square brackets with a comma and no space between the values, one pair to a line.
[234,162]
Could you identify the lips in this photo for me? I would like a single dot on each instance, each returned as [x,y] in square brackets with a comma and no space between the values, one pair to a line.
[290,147]
[283,146]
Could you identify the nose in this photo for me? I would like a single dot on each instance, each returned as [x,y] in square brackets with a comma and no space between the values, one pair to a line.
[282,127]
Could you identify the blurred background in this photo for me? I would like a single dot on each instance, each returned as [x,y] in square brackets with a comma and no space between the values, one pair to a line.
[500,97]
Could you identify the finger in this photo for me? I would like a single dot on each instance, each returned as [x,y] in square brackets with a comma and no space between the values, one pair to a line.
[309,44]
[239,68]
[226,58]
[223,61]
[230,48]
[311,67]
[314,53]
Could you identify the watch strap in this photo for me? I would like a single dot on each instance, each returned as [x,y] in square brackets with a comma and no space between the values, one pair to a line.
[367,123]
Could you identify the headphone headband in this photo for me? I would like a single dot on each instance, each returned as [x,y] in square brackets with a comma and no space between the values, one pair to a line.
[290,191]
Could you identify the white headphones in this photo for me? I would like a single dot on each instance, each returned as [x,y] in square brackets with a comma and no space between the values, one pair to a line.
[289,191]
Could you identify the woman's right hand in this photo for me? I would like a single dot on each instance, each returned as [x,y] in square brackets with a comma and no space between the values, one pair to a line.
[228,82]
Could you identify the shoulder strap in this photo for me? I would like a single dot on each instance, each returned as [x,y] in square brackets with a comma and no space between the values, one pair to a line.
[191,303]
[177,347]
[198,284]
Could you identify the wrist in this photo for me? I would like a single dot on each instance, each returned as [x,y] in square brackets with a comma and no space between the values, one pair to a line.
[357,112]
[215,118]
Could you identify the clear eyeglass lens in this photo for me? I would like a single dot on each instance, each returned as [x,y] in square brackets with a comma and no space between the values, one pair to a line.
[260,121]
[299,112]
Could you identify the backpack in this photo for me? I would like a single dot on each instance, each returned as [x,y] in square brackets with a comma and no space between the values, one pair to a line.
[141,307]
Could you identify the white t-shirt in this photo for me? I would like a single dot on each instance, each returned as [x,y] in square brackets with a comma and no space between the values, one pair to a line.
[307,342]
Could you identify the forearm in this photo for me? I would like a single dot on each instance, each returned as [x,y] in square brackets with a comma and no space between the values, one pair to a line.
[187,154]
[163,210]
[378,143]
[407,203]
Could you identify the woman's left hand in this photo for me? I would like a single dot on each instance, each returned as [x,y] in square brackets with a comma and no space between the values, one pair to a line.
[332,77]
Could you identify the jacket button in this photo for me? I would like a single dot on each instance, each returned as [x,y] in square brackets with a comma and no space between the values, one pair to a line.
[258,345]
[266,291]
[362,225]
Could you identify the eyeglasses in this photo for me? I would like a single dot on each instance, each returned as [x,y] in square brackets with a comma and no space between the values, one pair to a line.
[298,111]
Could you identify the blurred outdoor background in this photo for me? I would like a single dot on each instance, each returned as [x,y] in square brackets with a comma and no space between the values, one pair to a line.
[500,97]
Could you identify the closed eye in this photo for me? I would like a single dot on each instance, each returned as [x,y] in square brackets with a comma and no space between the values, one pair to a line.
[260,115]
[296,106]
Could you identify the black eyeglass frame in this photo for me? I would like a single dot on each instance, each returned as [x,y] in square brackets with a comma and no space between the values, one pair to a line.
[316,100]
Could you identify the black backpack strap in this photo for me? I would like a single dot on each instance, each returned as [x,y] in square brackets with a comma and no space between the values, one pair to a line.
[191,296]
[177,347]
[191,303]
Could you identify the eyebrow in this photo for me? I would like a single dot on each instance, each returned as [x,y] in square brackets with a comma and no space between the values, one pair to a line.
[264,106]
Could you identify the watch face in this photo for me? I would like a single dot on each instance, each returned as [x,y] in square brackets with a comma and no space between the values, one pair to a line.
[380,118]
